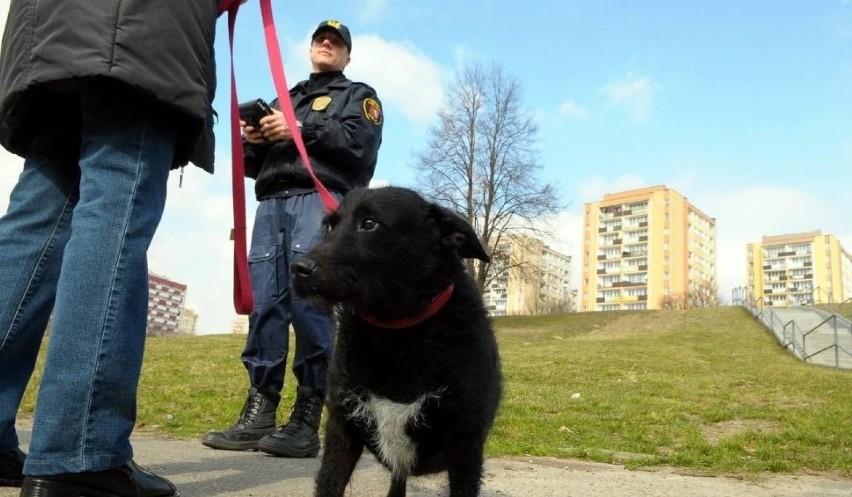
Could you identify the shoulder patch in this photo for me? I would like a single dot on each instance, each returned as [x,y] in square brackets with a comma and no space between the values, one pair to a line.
[373,111]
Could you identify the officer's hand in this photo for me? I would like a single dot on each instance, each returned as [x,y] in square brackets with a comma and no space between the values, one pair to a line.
[250,134]
[274,127]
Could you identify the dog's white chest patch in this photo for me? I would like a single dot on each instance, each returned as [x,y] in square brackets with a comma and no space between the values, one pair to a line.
[387,420]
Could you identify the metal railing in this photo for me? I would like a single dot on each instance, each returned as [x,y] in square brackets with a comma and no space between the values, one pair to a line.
[813,344]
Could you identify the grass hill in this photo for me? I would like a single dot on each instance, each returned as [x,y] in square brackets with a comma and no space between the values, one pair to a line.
[705,389]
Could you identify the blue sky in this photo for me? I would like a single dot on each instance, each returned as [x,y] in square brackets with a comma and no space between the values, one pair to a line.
[743,107]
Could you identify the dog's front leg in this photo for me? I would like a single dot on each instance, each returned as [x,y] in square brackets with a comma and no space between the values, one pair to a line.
[398,486]
[464,468]
[343,446]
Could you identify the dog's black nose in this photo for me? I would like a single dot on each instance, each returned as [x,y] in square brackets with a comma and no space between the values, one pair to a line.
[303,267]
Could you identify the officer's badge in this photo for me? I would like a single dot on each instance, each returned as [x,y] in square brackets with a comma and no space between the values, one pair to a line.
[373,111]
[320,103]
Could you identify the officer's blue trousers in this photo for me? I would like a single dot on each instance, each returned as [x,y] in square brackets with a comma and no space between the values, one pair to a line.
[285,229]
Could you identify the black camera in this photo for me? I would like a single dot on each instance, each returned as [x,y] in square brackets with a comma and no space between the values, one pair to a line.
[252,112]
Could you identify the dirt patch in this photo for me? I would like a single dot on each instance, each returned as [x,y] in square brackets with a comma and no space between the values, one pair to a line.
[632,324]
[716,432]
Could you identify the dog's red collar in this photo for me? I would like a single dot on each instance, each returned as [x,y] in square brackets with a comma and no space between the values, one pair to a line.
[430,311]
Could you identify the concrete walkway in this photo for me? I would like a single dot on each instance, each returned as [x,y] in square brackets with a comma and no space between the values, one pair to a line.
[821,335]
[202,472]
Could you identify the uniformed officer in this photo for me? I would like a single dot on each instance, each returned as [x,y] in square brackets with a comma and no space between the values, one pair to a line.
[341,125]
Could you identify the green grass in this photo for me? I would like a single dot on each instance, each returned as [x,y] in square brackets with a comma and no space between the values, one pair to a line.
[707,390]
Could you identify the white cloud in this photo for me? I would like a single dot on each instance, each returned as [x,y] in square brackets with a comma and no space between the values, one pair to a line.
[10,168]
[372,10]
[4,11]
[573,110]
[634,94]
[842,20]
[596,187]
[404,77]
[462,55]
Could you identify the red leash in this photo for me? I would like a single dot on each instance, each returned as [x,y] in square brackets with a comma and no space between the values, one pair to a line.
[243,301]
[281,88]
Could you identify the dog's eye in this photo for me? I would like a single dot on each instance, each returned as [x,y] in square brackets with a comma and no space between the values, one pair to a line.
[368,224]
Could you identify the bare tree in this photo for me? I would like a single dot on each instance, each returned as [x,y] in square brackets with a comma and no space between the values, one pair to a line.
[674,301]
[704,294]
[481,160]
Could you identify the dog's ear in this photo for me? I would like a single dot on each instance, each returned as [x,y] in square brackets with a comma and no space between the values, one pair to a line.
[458,233]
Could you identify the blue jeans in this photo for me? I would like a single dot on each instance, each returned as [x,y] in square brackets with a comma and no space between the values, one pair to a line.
[284,229]
[75,240]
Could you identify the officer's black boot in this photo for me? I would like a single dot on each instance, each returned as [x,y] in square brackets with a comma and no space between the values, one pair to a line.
[12,468]
[300,436]
[257,420]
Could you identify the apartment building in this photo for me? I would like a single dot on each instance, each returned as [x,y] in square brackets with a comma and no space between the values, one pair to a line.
[531,278]
[188,322]
[240,325]
[799,268]
[165,305]
[644,247]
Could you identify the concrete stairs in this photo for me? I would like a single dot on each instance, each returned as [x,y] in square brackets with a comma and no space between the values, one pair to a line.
[811,334]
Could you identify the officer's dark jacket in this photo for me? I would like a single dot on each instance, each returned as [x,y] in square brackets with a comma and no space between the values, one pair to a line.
[342,137]
[160,49]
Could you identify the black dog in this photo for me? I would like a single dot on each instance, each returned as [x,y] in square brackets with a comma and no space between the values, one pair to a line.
[415,375]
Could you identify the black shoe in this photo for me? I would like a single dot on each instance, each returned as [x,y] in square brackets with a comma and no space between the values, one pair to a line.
[12,468]
[299,437]
[124,481]
[257,420]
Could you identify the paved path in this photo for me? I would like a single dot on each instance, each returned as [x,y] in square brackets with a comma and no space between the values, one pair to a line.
[822,335]
[202,472]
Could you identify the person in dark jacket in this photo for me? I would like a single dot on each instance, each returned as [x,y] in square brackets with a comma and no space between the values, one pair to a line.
[102,99]
[341,125]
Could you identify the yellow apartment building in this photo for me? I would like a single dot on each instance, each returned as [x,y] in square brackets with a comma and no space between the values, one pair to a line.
[799,268]
[642,246]
[240,325]
[531,278]
[188,322]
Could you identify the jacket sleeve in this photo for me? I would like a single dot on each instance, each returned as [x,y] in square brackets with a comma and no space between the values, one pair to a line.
[351,140]
[253,158]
